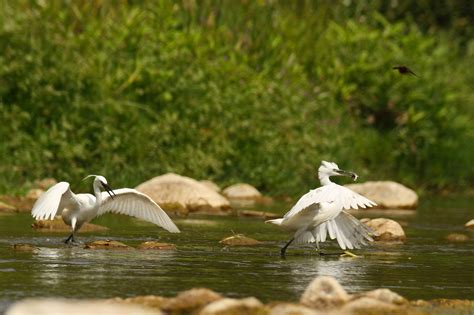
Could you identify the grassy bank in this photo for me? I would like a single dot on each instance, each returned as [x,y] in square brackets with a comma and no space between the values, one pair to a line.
[232,91]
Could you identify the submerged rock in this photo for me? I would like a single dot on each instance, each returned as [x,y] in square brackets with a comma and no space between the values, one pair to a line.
[226,306]
[58,225]
[107,244]
[470,224]
[24,247]
[258,214]
[184,195]
[156,245]
[59,306]
[239,240]
[457,237]
[386,230]
[387,194]
[324,292]
[190,300]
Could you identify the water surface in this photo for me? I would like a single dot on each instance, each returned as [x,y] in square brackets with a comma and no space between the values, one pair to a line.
[426,267]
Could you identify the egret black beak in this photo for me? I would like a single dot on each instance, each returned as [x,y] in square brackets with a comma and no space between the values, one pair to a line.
[352,175]
[108,190]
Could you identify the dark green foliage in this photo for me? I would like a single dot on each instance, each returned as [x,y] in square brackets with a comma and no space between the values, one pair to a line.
[249,91]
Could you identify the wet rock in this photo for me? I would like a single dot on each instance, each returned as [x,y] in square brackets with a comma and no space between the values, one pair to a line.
[183,195]
[210,184]
[58,225]
[16,203]
[6,207]
[324,292]
[258,214]
[156,245]
[107,244]
[24,247]
[152,301]
[242,191]
[385,295]
[34,193]
[239,240]
[386,230]
[444,306]
[387,194]
[58,306]
[457,237]
[291,309]
[226,306]
[45,183]
[190,300]
[368,305]
[470,224]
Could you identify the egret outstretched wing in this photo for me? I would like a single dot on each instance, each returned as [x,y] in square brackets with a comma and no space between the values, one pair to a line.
[133,203]
[342,196]
[53,201]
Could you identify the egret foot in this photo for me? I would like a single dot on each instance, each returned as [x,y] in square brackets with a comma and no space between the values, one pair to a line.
[349,254]
[70,240]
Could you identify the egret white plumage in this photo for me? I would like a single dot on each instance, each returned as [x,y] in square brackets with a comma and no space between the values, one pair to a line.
[321,211]
[77,209]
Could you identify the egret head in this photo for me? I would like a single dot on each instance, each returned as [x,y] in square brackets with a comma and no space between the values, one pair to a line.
[101,182]
[328,169]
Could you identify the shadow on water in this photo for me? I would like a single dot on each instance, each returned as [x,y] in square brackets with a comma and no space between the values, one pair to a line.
[426,267]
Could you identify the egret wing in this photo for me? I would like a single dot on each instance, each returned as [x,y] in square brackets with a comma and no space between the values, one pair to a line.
[133,203]
[53,201]
[342,196]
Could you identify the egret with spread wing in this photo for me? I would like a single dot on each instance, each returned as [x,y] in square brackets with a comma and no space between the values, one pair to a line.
[322,211]
[77,209]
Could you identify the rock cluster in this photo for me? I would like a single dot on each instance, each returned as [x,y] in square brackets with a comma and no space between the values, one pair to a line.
[324,295]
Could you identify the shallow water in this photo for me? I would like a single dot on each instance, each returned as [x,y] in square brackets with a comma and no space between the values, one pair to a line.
[426,267]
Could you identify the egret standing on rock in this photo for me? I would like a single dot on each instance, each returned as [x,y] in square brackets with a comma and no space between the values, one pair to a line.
[321,211]
[82,208]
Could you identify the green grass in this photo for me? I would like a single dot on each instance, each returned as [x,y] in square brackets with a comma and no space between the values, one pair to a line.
[233,91]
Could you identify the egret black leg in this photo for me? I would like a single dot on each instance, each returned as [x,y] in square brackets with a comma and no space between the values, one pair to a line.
[283,249]
[70,239]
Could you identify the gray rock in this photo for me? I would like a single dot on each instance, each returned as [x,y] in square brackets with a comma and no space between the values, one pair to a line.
[210,184]
[386,229]
[34,193]
[226,306]
[58,306]
[190,300]
[182,194]
[324,292]
[387,194]
[242,191]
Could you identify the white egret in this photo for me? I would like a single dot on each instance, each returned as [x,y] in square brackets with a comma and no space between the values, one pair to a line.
[321,211]
[77,209]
